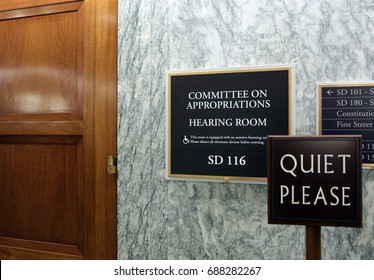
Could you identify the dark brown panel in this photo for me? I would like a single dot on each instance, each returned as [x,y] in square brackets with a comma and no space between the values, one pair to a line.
[21,4]
[27,249]
[41,128]
[44,207]
[40,65]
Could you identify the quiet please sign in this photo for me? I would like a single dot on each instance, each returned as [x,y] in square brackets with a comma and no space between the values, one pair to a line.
[315,180]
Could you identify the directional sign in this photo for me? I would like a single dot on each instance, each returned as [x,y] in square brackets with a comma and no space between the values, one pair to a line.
[348,109]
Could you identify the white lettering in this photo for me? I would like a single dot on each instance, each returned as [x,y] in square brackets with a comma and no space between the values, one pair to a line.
[317,163]
[331,196]
[293,196]
[291,171]
[311,170]
[334,196]
[283,194]
[344,161]
[328,163]
[305,195]
[320,195]
[344,196]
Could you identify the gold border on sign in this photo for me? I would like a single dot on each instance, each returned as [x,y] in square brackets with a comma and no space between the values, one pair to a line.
[224,178]
[338,85]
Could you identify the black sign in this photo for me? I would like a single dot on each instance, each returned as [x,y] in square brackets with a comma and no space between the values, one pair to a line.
[218,121]
[348,109]
[315,180]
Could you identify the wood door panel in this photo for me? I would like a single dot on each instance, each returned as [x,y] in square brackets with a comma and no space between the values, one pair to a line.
[40,69]
[21,4]
[11,248]
[58,78]
[52,213]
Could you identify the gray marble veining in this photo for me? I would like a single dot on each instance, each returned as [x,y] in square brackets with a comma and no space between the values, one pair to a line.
[327,40]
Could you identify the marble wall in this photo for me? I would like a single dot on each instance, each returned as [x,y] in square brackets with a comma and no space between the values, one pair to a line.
[327,40]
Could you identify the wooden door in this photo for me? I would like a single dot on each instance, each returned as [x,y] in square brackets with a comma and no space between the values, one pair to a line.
[57,127]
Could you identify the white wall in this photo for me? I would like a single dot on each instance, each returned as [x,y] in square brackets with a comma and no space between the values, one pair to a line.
[328,40]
